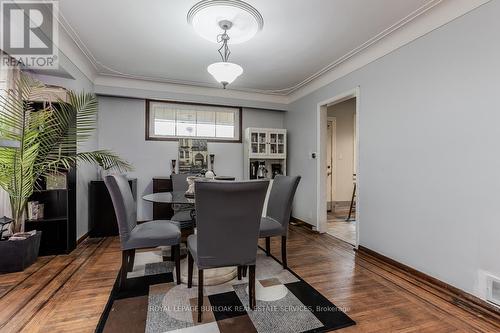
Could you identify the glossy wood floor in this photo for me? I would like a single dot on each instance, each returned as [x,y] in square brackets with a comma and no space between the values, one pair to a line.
[338,227]
[69,293]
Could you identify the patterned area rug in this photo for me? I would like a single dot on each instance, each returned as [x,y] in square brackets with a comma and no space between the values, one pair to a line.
[153,303]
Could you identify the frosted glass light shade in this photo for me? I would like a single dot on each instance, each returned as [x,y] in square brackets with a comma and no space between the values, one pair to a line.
[225,72]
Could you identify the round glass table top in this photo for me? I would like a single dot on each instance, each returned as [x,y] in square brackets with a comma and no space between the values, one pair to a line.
[169,197]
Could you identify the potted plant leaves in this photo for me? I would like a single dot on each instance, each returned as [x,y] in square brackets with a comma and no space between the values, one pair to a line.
[40,142]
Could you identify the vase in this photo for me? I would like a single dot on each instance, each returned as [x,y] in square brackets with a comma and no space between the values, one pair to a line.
[172,166]
[212,162]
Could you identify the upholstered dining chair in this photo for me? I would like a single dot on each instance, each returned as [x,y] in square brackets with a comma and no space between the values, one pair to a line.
[279,208]
[138,236]
[182,213]
[227,218]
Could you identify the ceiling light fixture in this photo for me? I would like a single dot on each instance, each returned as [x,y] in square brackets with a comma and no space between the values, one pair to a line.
[209,17]
[224,72]
[206,15]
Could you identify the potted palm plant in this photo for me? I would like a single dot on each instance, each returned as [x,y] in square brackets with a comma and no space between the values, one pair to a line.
[42,142]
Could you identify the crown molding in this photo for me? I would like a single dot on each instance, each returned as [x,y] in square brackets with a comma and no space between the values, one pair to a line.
[103,69]
[417,24]
[71,33]
[73,51]
[74,55]
[393,28]
[443,13]
[103,84]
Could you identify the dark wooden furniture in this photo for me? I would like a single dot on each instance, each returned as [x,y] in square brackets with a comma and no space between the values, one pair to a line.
[162,211]
[102,218]
[58,225]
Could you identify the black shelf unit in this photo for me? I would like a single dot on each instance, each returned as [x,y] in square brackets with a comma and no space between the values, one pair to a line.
[58,226]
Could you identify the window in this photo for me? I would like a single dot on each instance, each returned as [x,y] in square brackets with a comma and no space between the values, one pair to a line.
[173,120]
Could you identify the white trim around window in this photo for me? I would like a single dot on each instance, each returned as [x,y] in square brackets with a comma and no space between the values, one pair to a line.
[175,120]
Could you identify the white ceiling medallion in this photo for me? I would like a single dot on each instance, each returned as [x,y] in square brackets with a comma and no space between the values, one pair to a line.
[206,15]
[212,19]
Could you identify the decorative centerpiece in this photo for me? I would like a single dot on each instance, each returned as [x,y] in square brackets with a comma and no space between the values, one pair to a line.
[191,180]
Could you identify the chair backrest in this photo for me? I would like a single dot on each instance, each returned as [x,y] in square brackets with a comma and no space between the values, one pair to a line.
[228,219]
[179,182]
[279,206]
[124,204]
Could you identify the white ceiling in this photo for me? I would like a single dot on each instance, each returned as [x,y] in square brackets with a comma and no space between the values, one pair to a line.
[152,40]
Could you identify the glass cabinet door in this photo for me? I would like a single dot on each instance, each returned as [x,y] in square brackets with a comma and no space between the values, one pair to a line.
[281,143]
[254,142]
[267,143]
[262,142]
[273,143]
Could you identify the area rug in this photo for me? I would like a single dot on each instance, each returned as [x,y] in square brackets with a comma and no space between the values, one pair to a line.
[153,303]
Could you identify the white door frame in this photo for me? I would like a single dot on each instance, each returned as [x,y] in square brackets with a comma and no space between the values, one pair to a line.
[334,157]
[321,119]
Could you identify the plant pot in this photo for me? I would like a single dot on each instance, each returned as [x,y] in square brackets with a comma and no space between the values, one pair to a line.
[16,256]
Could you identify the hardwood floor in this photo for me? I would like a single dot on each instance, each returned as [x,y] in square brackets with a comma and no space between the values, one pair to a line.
[69,293]
[338,227]
[62,293]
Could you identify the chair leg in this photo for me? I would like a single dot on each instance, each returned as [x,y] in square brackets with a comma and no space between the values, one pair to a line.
[190,269]
[177,251]
[131,258]
[172,253]
[200,293]
[240,269]
[244,271]
[251,288]
[124,268]
[283,252]
[268,246]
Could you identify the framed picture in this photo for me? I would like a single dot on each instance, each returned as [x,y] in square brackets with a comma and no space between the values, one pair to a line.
[56,181]
[193,155]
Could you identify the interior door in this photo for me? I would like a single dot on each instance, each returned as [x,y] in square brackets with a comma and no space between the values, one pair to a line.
[330,168]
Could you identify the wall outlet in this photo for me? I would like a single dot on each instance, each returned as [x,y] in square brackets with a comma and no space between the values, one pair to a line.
[493,289]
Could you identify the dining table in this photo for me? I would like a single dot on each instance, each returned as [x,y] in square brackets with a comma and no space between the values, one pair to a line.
[174,197]
[214,276]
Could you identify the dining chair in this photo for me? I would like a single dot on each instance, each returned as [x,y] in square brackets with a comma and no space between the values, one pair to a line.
[279,208]
[138,236]
[227,217]
[182,212]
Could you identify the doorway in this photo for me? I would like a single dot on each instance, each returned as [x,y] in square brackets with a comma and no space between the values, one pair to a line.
[338,206]
[341,208]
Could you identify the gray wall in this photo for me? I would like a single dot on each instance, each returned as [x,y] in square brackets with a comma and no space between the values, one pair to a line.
[85,172]
[344,148]
[429,150]
[121,129]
